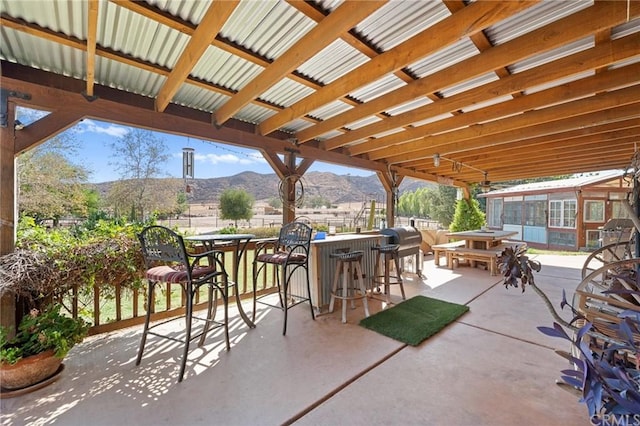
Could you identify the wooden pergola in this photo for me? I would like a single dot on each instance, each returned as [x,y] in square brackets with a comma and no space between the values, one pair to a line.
[494,90]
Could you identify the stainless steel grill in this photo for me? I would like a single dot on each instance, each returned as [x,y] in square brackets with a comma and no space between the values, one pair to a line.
[409,240]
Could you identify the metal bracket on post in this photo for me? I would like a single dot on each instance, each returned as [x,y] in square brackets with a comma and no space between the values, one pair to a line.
[89,98]
[4,104]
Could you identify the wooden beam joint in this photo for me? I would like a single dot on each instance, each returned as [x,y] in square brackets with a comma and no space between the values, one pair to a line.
[4,104]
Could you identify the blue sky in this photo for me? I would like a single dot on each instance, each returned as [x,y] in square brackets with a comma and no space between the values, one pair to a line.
[212,159]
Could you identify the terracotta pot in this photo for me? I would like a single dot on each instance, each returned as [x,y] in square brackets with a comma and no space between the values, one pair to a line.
[29,371]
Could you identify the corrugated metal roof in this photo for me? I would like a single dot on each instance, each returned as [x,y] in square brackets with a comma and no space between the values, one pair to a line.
[552,55]
[267,27]
[400,20]
[135,35]
[362,122]
[533,18]
[225,70]
[469,84]
[384,85]
[555,83]
[444,58]
[195,97]
[128,78]
[570,183]
[155,33]
[332,62]
[189,10]
[286,92]
[329,110]
[408,106]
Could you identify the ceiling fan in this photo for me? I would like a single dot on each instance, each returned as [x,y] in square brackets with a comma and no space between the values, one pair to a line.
[485,185]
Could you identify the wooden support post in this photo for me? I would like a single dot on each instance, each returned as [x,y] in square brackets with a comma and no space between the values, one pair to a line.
[390,181]
[8,220]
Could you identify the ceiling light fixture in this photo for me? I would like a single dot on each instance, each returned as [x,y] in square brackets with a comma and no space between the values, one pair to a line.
[436,160]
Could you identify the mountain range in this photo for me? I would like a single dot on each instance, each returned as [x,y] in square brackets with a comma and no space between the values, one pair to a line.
[335,188]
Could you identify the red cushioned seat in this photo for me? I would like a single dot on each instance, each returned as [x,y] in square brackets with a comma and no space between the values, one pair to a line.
[287,254]
[281,257]
[169,262]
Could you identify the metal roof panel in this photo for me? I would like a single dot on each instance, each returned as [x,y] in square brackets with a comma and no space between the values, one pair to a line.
[400,20]
[332,62]
[267,27]
[329,110]
[530,19]
[226,70]
[444,58]
[375,89]
[135,35]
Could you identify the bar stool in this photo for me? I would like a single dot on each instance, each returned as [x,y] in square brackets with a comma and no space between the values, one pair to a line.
[387,253]
[349,266]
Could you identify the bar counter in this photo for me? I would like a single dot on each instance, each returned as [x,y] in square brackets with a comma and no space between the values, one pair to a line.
[322,268]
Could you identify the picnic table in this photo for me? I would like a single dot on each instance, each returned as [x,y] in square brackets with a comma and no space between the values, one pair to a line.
[479,246]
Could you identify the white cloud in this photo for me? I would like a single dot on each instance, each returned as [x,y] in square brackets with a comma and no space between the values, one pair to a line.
[108,129]
[225,159]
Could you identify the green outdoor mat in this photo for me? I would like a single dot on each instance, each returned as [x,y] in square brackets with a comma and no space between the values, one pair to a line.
[414,320]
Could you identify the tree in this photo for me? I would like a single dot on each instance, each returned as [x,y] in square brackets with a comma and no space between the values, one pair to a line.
[163,197]
[435,203]
[467,216]
[318,201]
[444,204]
[275,202]
[236,204]
[140,156]
[50,184]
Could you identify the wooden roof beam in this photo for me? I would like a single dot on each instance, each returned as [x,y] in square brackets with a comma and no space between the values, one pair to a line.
[45,128]
[205,33]
[135,110]
[568,155]
[568,29]
[548,120]
[92,29]
[598,56]
[471,19]
[487,158]
[612,129]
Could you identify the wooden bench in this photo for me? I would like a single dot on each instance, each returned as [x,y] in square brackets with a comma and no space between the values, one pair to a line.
[441,249]
[465,254]
[490,257]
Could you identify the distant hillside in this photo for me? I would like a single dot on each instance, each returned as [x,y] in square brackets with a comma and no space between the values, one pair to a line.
[336,188]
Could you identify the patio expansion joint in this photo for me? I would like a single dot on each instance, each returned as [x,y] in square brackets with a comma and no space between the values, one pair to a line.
[482,293]
[339,388]
[497,332]
[509,336]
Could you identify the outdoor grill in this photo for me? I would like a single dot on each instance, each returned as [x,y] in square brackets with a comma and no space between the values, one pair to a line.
[409,239]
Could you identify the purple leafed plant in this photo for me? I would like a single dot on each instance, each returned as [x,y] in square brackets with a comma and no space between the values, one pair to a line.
[606,370]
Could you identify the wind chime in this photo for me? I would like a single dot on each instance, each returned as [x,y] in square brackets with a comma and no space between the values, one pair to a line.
[187,174]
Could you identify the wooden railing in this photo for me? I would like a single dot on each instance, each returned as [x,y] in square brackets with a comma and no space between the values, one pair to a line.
[110,309]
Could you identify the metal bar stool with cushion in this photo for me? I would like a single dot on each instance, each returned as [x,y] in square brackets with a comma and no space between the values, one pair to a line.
[289,253]
[350,267]
[386,254]
[168,261]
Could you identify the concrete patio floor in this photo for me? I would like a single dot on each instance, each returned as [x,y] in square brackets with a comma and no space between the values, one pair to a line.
[490,367]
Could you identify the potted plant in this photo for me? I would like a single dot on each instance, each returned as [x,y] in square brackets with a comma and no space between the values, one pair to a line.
[34,351]
[604,355]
